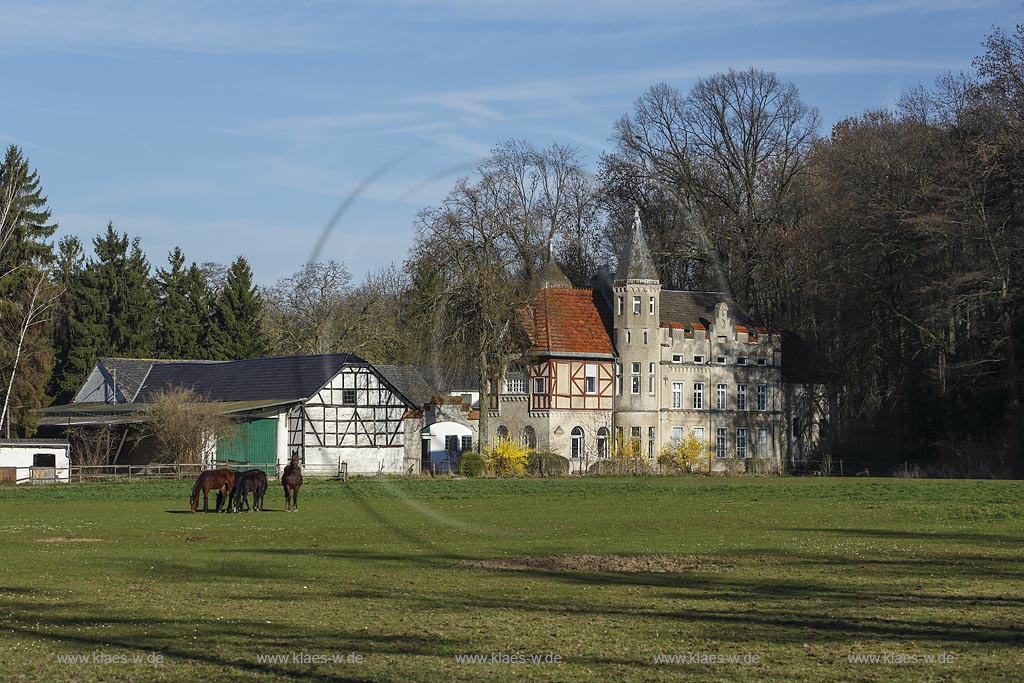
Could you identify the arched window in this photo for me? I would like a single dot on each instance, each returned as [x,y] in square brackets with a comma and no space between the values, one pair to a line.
[602,442]
[502,432]
[529,437]
[576,442]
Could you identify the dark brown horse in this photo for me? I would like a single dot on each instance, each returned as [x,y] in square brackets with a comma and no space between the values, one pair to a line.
[222,480]
[291,480]
[250,481]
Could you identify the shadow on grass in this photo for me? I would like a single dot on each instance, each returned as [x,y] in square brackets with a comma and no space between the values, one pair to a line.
[926,536]
[754,596]
[229,645]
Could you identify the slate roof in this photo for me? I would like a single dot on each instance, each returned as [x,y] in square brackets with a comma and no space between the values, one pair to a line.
[420,384]
[553,276]
[687,308]
[636,265]
[254,379]
[128,373]
[572,321]
[75,415]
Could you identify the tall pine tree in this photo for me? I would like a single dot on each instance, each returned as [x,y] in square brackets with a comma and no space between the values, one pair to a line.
[237,314]
[179,328]
[112,308]
[200,299]
[67,272]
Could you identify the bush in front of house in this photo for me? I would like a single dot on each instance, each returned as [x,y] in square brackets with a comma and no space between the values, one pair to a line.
[471,465]
[548,464]
[506,458]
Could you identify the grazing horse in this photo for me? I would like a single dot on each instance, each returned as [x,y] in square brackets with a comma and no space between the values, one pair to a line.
[250,481]
[292,481]
[222,480]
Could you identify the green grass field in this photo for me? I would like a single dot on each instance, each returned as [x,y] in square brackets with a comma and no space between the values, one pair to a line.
[399,579]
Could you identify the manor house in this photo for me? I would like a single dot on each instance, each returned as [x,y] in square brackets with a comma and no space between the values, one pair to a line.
[629,360]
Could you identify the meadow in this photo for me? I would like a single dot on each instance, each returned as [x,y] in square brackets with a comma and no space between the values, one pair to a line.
[603,579]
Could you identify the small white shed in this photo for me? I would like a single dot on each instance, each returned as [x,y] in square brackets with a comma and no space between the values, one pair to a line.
[35,461]
[445,442]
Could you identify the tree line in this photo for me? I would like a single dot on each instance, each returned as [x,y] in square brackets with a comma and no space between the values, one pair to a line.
[888,251]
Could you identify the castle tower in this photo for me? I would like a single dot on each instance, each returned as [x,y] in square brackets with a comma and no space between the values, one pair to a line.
[636,293]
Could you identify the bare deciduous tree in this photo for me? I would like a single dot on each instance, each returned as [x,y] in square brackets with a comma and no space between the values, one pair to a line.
[307,312]
[186,427]
[94,444]
[728,153]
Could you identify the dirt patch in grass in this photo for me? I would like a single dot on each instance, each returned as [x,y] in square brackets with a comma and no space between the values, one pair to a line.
[62,539]
[599,563]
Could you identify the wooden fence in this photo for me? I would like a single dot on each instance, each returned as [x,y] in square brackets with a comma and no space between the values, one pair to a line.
[191,470]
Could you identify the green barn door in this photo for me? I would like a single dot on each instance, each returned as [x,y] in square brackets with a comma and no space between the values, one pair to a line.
[254,445]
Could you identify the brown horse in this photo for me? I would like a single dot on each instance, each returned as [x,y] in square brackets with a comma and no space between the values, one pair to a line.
[250,481]
[222,480]
[291,480]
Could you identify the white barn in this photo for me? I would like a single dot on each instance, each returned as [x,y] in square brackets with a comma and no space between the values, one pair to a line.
[35,461]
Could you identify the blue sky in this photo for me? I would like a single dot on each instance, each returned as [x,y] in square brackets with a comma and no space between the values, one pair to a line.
[239,127]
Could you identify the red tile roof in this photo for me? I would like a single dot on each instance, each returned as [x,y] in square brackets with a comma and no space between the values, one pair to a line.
[562,320]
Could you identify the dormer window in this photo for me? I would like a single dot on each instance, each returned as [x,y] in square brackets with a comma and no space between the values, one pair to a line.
[516,381]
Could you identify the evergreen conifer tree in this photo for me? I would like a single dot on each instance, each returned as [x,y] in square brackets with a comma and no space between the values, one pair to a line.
[237,317]
[178,327]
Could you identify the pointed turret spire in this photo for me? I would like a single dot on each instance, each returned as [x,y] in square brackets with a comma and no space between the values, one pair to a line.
[635,264]
[551,276]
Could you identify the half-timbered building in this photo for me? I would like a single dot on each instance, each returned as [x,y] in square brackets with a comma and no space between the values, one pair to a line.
[330,409]
[560,396]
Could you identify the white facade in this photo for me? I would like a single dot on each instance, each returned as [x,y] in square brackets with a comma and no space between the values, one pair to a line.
[356,419]
[35,461]
[444,443]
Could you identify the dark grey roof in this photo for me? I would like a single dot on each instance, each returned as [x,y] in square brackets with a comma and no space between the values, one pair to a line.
[33,442]
[254,379]
[128,373]
[685,307]
[419,383]
[409,382]
[636,265]
[553,276]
